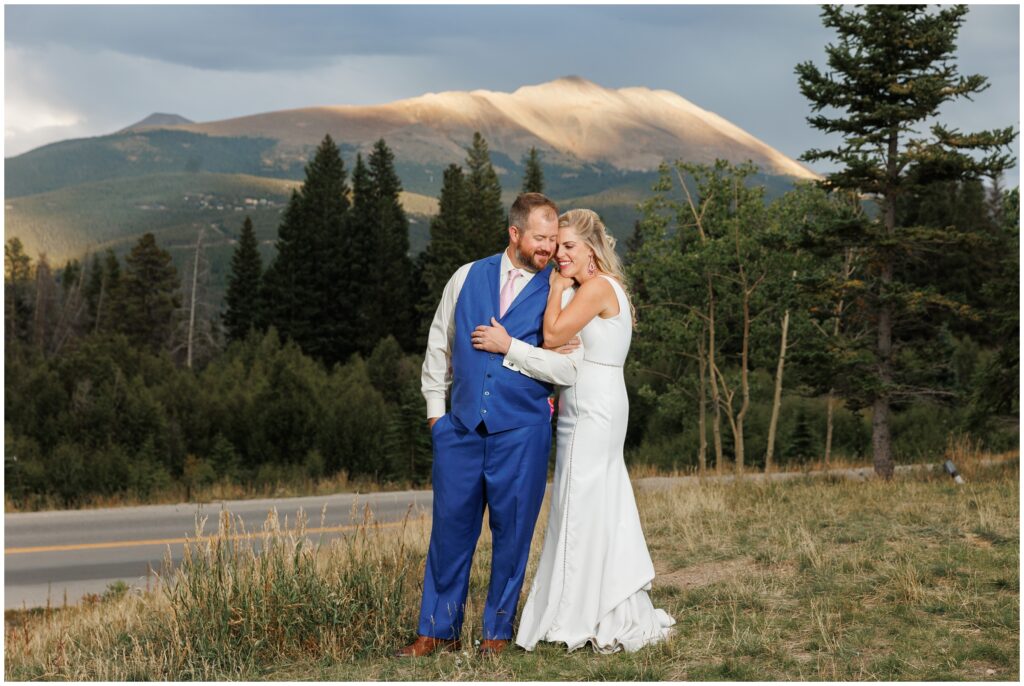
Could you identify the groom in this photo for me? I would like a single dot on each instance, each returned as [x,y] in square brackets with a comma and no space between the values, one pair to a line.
[491,450]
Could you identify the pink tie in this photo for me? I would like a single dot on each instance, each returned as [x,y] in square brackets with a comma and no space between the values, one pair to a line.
[506,292]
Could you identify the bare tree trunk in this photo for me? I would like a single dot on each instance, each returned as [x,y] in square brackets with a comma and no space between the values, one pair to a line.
[777,398]
[70,313]
[193,333]
[881,439]
[744,384]
[192,301]
[702,363]
[828,427]
[707,365]
[748,290]
[728,396]
[716,417]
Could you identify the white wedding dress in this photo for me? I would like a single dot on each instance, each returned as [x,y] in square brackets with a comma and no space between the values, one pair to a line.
[594,573]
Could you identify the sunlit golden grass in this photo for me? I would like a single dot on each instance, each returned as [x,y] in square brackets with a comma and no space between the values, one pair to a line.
[807,579]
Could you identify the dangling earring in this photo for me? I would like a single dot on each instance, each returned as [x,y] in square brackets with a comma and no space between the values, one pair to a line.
[590,267]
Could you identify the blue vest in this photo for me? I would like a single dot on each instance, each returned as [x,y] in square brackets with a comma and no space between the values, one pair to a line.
[483,390]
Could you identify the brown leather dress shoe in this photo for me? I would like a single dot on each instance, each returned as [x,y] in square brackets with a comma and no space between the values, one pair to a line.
[428,645]
[493,646]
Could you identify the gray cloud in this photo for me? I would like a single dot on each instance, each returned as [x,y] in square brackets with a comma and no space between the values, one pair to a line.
[223,38]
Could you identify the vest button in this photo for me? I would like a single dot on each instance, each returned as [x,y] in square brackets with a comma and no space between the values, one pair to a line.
[487,392]
[483,411]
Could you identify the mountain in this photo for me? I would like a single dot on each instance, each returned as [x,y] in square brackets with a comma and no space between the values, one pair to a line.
[157,119]
[600,148]
[571,119]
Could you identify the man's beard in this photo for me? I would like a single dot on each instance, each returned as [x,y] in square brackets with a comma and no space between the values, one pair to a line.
[531,261]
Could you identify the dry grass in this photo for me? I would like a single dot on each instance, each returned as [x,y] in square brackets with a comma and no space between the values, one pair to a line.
[914,579]
[224,490]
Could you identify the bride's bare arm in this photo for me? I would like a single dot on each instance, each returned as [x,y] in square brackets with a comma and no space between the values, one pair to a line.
[591,299]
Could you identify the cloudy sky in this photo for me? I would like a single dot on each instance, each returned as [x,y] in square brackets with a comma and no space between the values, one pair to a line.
[73,71]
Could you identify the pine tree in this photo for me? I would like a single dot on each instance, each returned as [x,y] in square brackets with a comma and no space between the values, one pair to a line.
[303,290]
[996,383]
[449,232]
[802,441]
[93,287]
[409,452]
[533,176]
[891,71]
[485,213]
[102,292]
[17,303]
[360,245]
[149,295]
[325,202]
[242,297]
[447,250]
[69,276]
[392,282]
[281,289]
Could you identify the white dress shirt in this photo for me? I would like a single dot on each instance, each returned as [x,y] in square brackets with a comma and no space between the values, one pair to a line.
[537,363]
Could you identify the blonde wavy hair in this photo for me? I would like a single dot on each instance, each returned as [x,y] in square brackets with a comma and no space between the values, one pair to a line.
[591,230]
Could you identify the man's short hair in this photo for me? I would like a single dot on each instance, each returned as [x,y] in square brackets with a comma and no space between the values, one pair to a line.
[526,203]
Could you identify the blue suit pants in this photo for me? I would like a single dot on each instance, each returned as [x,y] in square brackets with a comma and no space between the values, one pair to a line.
[506,472]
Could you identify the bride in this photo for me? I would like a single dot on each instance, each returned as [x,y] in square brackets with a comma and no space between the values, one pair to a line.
[595,570]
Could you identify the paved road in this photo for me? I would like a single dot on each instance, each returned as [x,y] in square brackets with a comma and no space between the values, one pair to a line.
[48,553]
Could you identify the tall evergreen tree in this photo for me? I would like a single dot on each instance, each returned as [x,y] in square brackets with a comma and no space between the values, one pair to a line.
[891,70]
[485,213]
[996,384]
[325,202]
[392,281]
[149,295]
[70,275]
[94,283]
[102,292]
[17,299]
[802,442]
[957,271]
[282,289]
[447,250]
[242,297]
[359,247]
[533,176]
[302,289]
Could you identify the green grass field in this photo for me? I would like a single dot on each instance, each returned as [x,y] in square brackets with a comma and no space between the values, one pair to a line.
[915,579]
